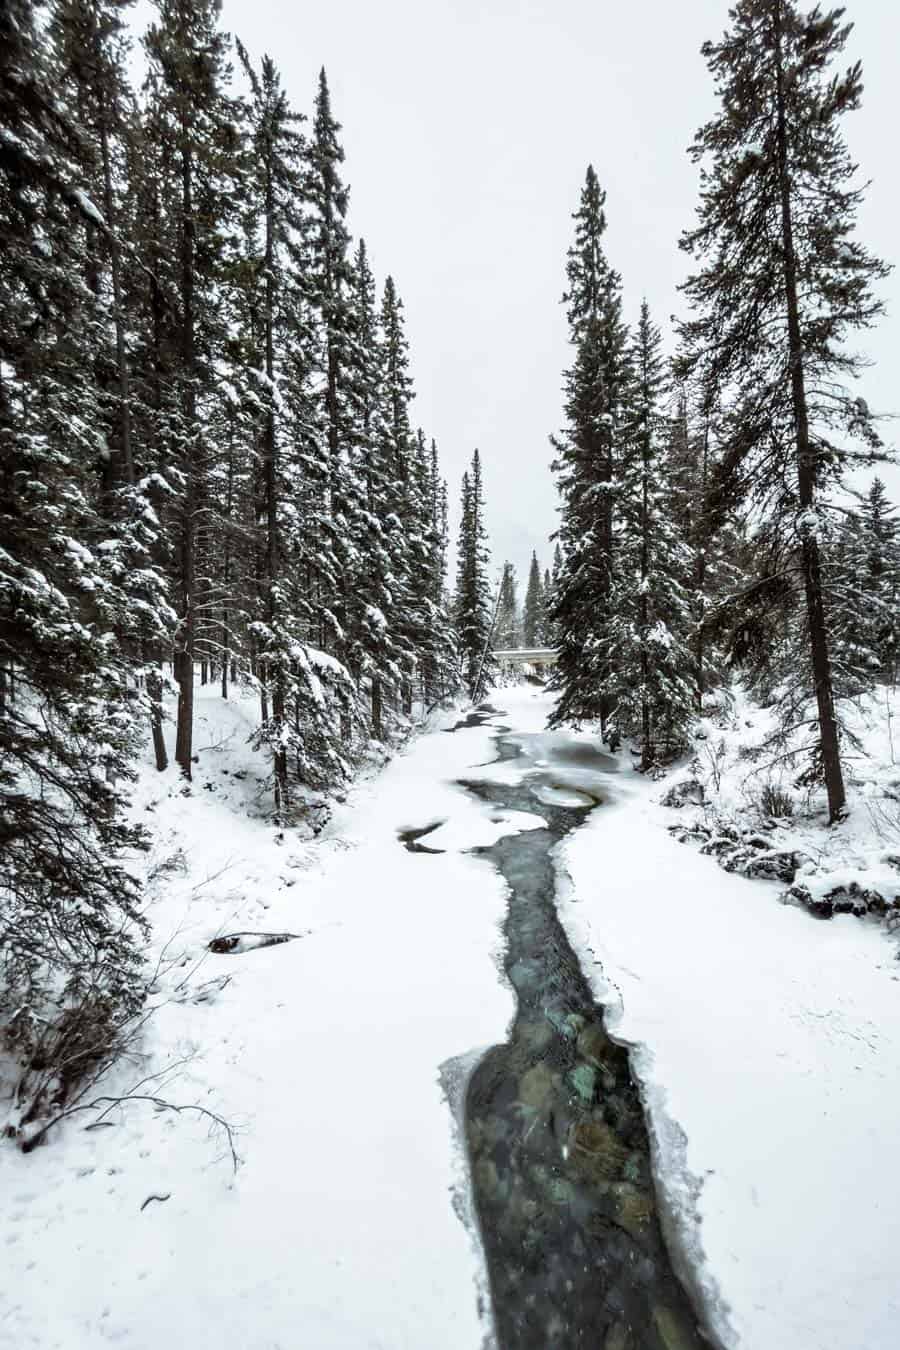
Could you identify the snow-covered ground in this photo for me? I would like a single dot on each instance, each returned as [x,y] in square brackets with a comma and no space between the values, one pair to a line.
[338,1229]
[768,1045]
[756,817]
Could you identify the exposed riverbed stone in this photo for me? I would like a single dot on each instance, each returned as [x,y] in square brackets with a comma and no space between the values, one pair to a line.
[673,1331]
[584,1080]
[537,1086]
[633,1208]
[486,1175]
[568,1024]
[597,1150]
[618,1338]
[594,1045]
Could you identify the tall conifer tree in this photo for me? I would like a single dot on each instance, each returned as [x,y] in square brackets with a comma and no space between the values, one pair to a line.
[532,621]
[782,281]
[596,389]
[473,603]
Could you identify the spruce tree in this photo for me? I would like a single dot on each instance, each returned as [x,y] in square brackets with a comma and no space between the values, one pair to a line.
[782,281]
[532,619]
[596,388]
[69,908]
[403,489]
[864,582]
[473,605]
[645,640]
[330,287]
[508,629]
[547,628]
[713,577]
[375,657]
[195,124]
[275,167]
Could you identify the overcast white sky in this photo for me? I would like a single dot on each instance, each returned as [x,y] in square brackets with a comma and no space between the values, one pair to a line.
[468,125]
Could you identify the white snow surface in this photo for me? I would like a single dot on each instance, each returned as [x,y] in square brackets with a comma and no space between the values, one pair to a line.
[339,1228]
[767,1045]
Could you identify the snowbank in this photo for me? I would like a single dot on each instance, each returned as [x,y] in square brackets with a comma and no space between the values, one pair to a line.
[768,1046]
[339,1228]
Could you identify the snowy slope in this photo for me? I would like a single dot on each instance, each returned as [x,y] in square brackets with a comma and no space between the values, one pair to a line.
[339,1228]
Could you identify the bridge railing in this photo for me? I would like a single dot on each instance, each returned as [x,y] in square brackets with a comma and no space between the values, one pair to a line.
[525,656]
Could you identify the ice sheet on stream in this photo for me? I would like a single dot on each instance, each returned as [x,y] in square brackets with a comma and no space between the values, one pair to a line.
[481,831]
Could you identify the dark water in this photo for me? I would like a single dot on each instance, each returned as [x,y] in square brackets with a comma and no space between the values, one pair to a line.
[559,1152]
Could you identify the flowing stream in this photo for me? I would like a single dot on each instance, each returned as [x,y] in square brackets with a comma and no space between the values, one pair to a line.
[558,1144]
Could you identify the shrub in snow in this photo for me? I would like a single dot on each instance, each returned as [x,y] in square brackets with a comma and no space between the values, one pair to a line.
[775,802]
[690,791]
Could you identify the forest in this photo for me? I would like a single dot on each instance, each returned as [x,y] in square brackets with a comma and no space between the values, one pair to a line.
[212,477]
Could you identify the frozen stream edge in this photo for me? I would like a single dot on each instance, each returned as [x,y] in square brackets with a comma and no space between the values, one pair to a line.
[562,1165]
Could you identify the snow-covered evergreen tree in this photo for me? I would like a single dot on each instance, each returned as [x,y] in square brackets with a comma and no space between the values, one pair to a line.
[864,583]
[533,616]
[645,642]
[782,281]
[547,628]
[473,605]
[70,965]
[508,629]
[596,388]
[194,124]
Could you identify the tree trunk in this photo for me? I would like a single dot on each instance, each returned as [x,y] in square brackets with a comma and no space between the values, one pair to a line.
[226,562]
[377,730]
[184,670]
[806,470]
[643,618]
[700,578]
[115,267]
[154,692]
[270,462]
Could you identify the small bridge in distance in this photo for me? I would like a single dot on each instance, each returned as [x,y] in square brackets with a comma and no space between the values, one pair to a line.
[539,658]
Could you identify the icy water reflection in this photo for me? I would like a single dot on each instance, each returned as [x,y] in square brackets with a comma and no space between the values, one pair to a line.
[560,1156]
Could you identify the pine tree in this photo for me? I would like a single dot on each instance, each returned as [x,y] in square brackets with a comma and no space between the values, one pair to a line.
[374,656]
[275,167]
[713,578]
[596,392]
[330,286]
[430,631]
[196,121]
[508,631]
[864,582]
[533,618]
[401,505]
[70,967]
[645,638]
[881,576]
[782,282]
[90,47]
[547,626]
[473,605]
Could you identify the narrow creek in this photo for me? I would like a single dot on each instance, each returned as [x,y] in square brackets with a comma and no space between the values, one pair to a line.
[558,1143]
